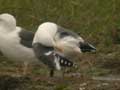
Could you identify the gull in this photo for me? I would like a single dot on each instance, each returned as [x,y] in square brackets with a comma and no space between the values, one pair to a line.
[56,46]
[15,41]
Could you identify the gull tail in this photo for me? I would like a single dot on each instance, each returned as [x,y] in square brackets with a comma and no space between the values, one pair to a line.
[64,62]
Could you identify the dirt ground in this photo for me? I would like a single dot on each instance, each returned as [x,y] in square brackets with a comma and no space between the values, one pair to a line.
[8,82]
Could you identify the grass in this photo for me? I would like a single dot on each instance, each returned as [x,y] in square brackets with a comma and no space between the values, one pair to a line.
[98,21]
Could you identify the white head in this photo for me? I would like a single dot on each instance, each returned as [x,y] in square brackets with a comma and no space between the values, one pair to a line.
[49,27]
[8,22]
[45,34]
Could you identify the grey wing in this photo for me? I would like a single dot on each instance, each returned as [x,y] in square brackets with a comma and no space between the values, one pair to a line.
[41,53]
[48,56]
[26,38]
[65,32]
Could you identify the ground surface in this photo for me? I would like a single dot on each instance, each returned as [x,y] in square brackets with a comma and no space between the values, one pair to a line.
[8,82]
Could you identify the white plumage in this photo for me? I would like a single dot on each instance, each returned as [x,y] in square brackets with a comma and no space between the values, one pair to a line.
[45,34]
[10,41]
[65,43]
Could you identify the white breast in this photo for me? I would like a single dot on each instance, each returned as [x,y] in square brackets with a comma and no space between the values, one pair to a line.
[45,34]
[11,47]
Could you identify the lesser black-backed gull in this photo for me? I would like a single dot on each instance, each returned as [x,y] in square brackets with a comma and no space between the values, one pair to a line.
[15,42]
[57,45]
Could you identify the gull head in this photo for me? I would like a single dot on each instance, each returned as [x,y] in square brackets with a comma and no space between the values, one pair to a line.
[7,21]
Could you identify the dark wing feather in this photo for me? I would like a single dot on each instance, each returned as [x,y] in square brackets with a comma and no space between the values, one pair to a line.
[64,61]
[40,51]
[26,38]
[64,32]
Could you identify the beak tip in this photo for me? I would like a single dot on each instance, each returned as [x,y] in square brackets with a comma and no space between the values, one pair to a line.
[94,50]
[92,47]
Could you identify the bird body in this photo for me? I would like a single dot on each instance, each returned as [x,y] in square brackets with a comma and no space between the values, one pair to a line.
[16,43]
[57,45]
[10,40]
